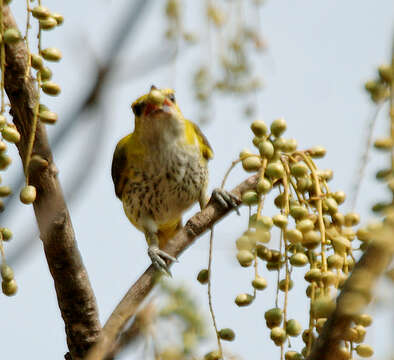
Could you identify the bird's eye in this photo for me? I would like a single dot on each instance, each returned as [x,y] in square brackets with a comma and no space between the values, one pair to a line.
[137,109]
[172,97]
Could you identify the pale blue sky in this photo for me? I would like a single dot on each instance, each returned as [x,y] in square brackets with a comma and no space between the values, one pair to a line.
[319,54]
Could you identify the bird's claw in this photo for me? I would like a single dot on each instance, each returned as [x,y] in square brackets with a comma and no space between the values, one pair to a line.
[158,258]
[226,199]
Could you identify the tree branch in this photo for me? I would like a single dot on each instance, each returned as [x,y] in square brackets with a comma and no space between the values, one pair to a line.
[74,293]
[355,294]
[196,226]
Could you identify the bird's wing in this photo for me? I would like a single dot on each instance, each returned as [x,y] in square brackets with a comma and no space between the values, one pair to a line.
[118,169]
[205,147]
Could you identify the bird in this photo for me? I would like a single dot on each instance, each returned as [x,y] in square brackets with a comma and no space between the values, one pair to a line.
[161,169]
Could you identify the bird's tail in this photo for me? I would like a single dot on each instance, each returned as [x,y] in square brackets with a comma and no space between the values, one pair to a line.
[168,231]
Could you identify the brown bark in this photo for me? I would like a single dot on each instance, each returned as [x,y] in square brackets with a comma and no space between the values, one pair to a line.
[74,293]
[355,295]
[128,306]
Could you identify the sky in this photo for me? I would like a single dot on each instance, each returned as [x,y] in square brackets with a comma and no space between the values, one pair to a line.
[319,54]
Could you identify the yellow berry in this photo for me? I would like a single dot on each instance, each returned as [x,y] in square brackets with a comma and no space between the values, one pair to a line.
[36,61]
[282,285]
[5,191]
[6,233]
[245,258]
[313,275]
[274,316]
[40,12]
[9,287]
[48,117]
[58,17]
[339,197]
[298,260]
[385,73]
[298,212]
[305,225]
[384,143]
[317,152]
[294,236]
[51,54]
[363,319]
[280,221]
[48,23]
[311,239]
[323,307]
[28,194]
[278,335]
[46,74]
[364,350]
[11,134]
[293,355]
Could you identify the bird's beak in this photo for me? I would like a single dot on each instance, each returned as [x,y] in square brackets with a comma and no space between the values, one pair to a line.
[151,108]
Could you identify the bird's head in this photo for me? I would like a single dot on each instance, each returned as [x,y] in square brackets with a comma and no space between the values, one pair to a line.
[157,115]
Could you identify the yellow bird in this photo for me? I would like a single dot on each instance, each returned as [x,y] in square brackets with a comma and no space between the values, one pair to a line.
[160,170]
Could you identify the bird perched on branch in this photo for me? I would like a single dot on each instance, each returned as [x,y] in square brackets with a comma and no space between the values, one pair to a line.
[160,170]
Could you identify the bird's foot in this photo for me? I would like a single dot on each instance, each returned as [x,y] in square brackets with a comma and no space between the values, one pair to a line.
[226,199]
[159,257]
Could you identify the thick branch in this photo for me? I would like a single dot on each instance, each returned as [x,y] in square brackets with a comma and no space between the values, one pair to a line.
[196,226]
[74,293]
[355,295]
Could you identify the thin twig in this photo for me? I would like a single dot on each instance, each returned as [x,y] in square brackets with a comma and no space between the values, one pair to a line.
[128,306]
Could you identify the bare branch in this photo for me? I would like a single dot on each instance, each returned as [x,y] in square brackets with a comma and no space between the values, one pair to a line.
[355,294]
[74,293]
[128,306]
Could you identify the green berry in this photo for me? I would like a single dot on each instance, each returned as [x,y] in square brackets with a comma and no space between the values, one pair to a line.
[36,61]
[266,149]
[259,128]
[7,273]
[48,117]
[263,186]
[280,221]
[11,134]
[251,164]
[6,233]
[278,335]
[226,334]
[48,23]
[294,236]
[259,283]
[245,258]
[275,170]
[203,276]
[278,127]
[40,12]
[51,54]
[299,170]
[250,197]
[298,260]
[293,327]
[50,88]
[244,299]
[11,36]
[9,287]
